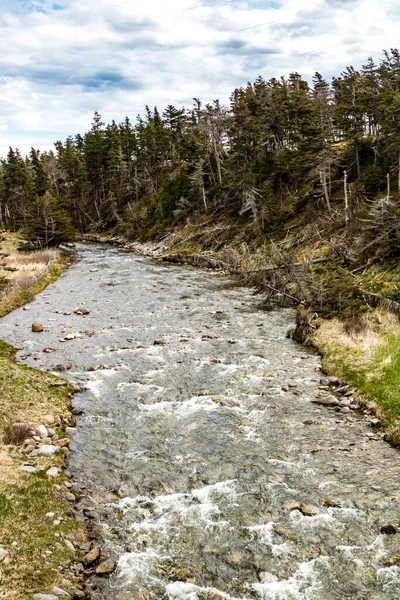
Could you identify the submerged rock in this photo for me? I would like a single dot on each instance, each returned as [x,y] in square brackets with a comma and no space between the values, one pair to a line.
[37,327]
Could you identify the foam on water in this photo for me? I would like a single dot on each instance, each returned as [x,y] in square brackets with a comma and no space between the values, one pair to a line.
[265,534]
[303,585]
[322,521]
[180,590]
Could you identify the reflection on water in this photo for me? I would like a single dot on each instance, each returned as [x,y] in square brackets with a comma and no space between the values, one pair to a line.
[212,482]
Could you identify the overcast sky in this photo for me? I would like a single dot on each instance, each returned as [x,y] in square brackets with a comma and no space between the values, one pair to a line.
[62,61]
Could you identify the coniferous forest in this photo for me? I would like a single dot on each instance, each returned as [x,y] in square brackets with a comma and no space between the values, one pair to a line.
[284,154]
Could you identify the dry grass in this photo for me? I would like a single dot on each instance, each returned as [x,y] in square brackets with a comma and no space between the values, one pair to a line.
[17,268]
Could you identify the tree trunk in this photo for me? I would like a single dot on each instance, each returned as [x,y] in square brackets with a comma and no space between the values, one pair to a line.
[325,189]
[346,202]
[358,159]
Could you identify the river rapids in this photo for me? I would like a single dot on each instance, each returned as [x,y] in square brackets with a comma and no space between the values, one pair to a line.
[212,474]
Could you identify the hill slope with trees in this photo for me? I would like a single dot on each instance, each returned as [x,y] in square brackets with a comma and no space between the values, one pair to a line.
[300,182]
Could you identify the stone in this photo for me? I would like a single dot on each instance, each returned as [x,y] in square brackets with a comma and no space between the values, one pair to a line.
[309,510]
[50,515]
[78,593]
[47,450]
[62,443]
[44,597]
[70,430]
[159,342]
[91,556]
[26,308]
[3,554]
[41,431]
[69,545]
[47,419]
[292,505]
[106,567]
[388,529]
[326,401]
[60,592]
[48,350]
[53,472]
[69,497]
[37,327]
[27,469]
[329,502]
[82,310]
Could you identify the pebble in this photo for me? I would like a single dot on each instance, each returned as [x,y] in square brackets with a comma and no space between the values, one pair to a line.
[44,597]
[50,515]
[37,327]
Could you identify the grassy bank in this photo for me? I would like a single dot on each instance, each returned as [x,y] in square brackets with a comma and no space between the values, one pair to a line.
[365,352]
[37,531]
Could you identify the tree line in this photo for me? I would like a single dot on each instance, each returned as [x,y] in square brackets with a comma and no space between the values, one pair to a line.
[282,147]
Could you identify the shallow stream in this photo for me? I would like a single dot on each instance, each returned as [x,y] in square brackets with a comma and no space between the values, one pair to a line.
[213,474]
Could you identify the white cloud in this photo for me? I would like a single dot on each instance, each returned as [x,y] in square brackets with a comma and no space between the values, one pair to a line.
[116,56]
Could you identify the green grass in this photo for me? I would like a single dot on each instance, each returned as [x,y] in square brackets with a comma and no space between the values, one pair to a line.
[374,370]
[41,547]
[36,547]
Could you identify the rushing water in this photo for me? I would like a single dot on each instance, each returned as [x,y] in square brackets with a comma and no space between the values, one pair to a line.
[193,452]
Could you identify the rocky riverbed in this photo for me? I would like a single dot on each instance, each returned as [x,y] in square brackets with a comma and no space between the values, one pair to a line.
[210,460]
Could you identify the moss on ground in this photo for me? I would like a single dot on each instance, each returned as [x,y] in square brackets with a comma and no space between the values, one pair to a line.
[37,546]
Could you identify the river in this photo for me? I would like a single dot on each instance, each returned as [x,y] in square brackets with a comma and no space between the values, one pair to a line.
[212,473]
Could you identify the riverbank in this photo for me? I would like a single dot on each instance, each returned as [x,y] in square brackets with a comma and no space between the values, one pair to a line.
[361,348]
[38,531]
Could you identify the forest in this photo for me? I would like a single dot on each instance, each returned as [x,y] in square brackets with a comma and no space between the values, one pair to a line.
[283,155]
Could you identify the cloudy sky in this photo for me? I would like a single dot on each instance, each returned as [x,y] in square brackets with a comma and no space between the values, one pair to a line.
[62,61]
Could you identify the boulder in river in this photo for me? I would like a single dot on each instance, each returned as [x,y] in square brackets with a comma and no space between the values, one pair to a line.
[37,327]
[91,556]
[388,529]
[82,310]
[107,567]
